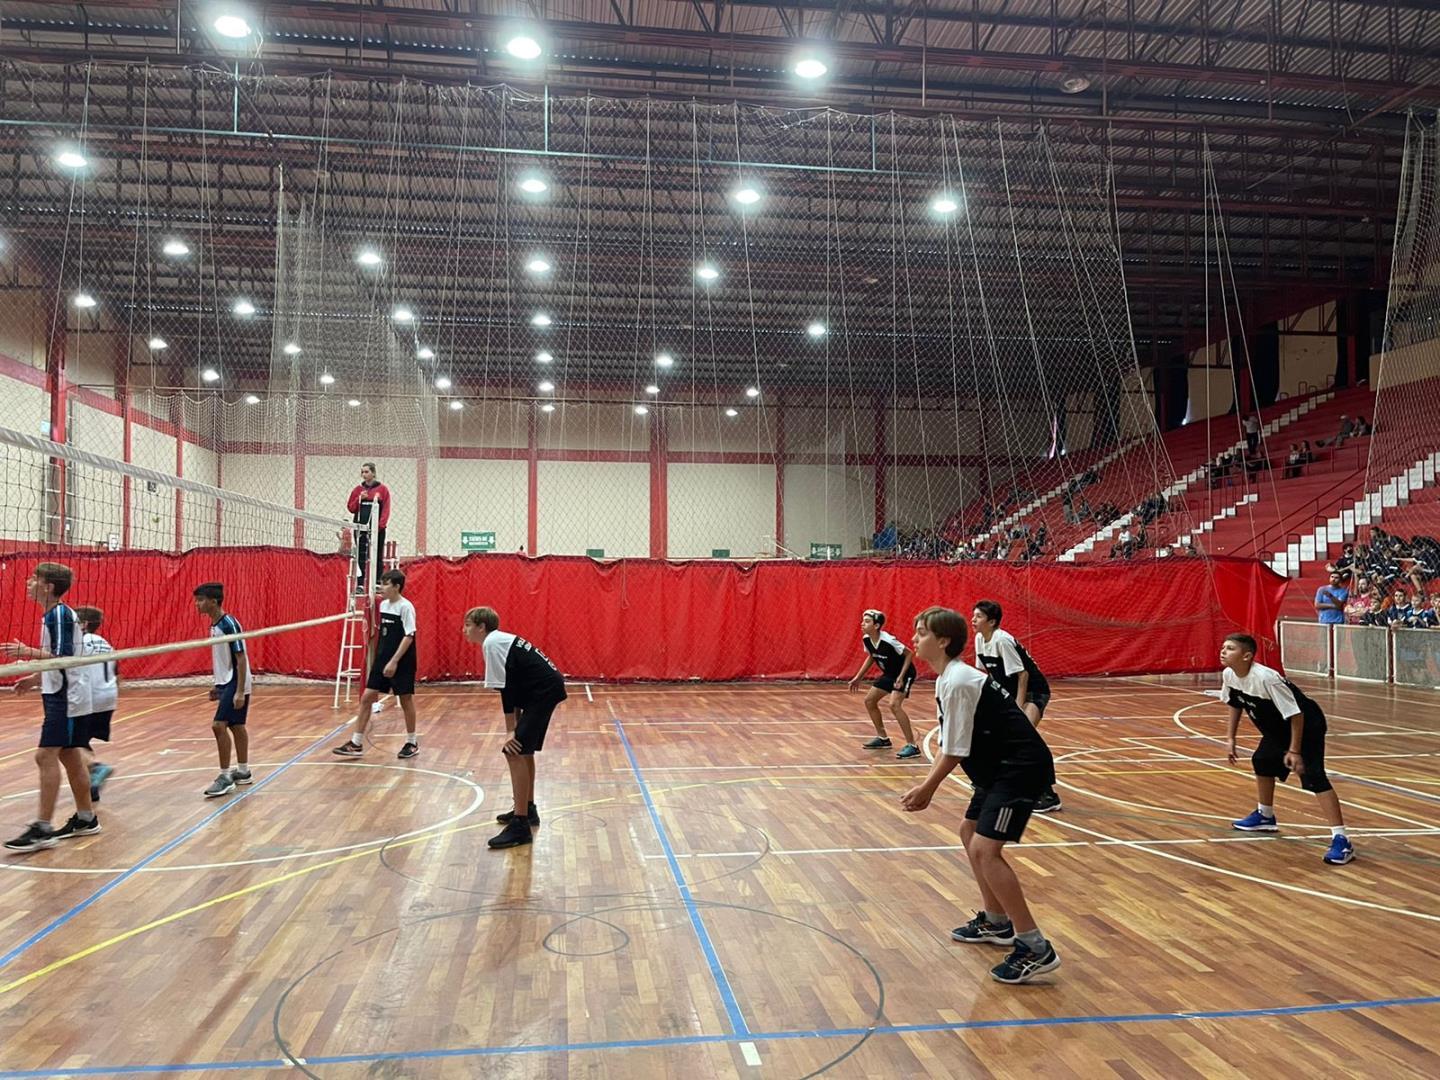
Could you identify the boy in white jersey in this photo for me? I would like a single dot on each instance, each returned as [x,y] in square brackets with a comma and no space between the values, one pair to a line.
[100,691]
[897,676]
[1006,661]
[1292,739]
[62,737]
[231,692]
[984,732]
[393,669]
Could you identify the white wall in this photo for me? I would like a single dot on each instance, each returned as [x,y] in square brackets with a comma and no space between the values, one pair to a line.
[1212,389]
[264,476]
[720,506]
[202,466]
[828,506]
[1306,361]
[329,480]
[594,504]
[476,495]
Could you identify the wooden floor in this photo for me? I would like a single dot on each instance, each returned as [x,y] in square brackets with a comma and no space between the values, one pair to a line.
[723,886]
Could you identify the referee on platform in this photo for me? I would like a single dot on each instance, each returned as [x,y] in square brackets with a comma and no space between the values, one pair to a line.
[369,497]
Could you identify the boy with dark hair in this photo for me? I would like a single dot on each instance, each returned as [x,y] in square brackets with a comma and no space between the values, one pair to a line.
[984,732]
[897,676]
[531,688]
[62,732]
[231,666]
[99,692]
[1292,739]
[1006,661]
[393,669]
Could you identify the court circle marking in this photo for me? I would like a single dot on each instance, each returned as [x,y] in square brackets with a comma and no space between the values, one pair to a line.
[475,804]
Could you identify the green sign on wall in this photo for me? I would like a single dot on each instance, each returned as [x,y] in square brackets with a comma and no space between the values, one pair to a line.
[824,551]
[477,541]
[719,553]
[595,553]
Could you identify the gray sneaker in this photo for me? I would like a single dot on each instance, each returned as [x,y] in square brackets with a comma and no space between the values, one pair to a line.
[241,776]
[223,785]
[909,750]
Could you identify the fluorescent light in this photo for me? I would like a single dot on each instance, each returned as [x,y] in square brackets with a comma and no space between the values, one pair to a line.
[664,360]
[731,412]
[84,300]
[425,353]
[746,195]
[175,248]
[538,265]
[523,47]
[547,407]
[231,26]
[291,349]
[752,391]
[354,403]
[706,272]
[944,203]
[368,257]
[540,319]
[546,387]
[442,382]
[158,343]
[252,399]
[71,158]
[543,357]
[534,184]
[652,389]
[243,308]
[816,330]
[403,314]
[642,410]
[210,375]
[326,378]
[809,66]
[456,405]
[1075,84]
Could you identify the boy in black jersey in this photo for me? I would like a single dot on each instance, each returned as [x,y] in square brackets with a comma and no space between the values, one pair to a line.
[1006,661]
[530,688]
[393,669]
[1292,739]
[897,676]
[984,732]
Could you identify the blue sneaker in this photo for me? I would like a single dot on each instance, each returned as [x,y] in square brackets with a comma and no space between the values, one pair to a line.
[1256,822]
[1341,851]
[99,773]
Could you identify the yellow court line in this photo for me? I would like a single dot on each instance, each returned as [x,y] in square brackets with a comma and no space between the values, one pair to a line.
[117,720]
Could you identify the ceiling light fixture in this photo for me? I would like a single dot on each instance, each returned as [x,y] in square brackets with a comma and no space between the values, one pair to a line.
[210,375]
[368,257]
[664,360]
[944,203]
[534,184]
[231,26]
[543,357]
[291,349]
[524,47]
[425,353]
[809,66]
[71,158]
[540,319]
[642,410]
[326,379]
[456,405]
[538,265]
[442,382]
[816,330]
[158,343]
[403,315]
[252,399]
[84,300]
[175,248]
[546,387]
[707,272]
[243,308]
[752,391]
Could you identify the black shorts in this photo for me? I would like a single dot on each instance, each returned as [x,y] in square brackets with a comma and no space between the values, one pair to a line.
[1041,701]
[57,729]
[887,683]
[97,726]
[1269,760]
[401,683]
[534,722]
[1002,810]
[225,711]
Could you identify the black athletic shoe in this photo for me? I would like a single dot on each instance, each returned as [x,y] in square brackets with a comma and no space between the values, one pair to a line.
[880,742]
[1025,964]
[75,827]
[348,749]
[514,834]
[980,932]
[33,839]
[409,750]
[1048,802]
[533,817]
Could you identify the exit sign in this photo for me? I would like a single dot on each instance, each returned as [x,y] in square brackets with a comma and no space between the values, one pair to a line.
[824,551]
[477,541]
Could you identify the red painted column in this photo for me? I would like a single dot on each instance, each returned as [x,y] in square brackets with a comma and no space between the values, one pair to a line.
[127,429]
[177,421]
[532,478]
[780,476]
[59,390]
[659,488]
[422,501]
[880,458]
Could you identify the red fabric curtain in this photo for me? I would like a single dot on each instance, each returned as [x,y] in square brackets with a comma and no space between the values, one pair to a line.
[643,619]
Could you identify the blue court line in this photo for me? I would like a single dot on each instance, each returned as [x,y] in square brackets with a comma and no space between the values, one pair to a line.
[722,983]
[748,1036]
[111,885]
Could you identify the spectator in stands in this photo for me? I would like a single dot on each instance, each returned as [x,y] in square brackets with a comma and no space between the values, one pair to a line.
[1346,562]
[1376,616]
[1347,431]
[1294,462]
[1425,617]
[1252,433]
[1401,610]
[1307,455]
[1330,600]
[1363,427]
[1220,469]
[1358,605]
[1256,463]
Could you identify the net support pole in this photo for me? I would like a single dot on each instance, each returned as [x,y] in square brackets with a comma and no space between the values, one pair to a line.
[878,457]
[659,487]
[127,437]
[177,421]
[532,494]
[780,476]
[55,372]
[300,436]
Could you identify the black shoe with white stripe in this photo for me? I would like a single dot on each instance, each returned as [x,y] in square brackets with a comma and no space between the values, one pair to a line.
[1024,964]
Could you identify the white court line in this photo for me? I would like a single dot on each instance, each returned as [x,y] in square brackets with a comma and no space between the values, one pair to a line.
[750,1054]
[764,766]
[588,695]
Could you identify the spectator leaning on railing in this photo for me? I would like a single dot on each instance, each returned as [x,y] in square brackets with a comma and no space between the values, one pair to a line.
[1330,600]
